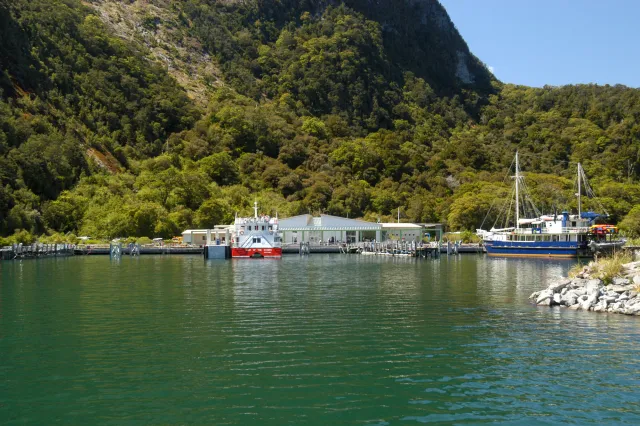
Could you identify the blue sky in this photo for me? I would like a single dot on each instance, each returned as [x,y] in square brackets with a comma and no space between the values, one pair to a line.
[555,42]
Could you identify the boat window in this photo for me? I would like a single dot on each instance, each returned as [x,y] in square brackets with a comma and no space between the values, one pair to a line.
[254,239]
[256,227]
[259,239]
[263,227]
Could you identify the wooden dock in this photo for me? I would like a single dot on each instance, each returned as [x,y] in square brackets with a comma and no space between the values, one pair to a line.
[393,248]
[36,250]
[133,249]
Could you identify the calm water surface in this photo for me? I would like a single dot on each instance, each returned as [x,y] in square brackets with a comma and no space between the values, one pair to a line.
[326,339]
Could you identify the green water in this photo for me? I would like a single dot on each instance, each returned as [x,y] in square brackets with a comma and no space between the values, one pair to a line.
[327,339]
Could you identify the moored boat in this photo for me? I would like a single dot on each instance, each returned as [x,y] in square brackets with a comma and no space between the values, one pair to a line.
[563,235]
[256,237]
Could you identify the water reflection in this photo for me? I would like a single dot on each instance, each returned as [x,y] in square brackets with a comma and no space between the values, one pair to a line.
[324,339]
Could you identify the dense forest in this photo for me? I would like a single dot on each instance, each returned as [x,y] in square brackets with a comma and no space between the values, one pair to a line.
[352,108]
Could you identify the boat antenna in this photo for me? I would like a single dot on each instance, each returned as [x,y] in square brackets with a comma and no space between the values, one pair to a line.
[517,177]
[255,208]
[579,191]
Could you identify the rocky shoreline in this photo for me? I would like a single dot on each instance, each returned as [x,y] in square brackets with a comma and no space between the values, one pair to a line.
[587,291]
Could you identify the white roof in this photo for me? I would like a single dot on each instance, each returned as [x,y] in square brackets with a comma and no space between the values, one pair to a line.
[325,222]
[393,225]
[196,231]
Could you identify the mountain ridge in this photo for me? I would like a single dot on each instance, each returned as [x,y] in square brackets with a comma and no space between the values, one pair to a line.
[147,118]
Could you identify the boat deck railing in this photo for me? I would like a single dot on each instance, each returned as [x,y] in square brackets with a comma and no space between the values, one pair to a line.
[534,231]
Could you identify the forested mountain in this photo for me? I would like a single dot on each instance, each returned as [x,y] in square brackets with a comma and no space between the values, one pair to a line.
[143,118]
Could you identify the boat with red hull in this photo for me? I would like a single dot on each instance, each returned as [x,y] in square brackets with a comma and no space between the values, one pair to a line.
[256,237]
[256,252]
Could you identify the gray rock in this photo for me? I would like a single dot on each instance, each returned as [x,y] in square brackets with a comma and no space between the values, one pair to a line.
[633,294]
[543,296]
[618,288]
[557,299]
[575,306]
[618,306]
[623,296]
[559,285]
[609,299]
[564,291]
[620,281]
[593,286]
[586,304]
[535,295]
[636,280]
[581,291]
[577,282]
[544,302]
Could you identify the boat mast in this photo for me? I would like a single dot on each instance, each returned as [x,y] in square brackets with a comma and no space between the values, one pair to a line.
[517,193]
[579,190]
[255,209]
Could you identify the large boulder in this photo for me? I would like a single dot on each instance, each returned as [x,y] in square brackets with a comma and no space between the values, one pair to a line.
[636,280]
[577,283]
[591,300]
[620,281]
[600,307]
[544,298]
[593,286]
[633,309]
[618,288]
[559,285]
[557,299]
[581,291]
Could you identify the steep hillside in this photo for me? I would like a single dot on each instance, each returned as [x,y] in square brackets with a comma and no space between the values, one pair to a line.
[143,118]
[161,31]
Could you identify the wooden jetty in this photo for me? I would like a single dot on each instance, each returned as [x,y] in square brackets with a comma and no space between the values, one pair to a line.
[309,248]
[135,249]
[36,250]
[457,247]
[393,248]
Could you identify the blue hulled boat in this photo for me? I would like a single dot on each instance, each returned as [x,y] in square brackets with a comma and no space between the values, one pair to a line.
[563,235]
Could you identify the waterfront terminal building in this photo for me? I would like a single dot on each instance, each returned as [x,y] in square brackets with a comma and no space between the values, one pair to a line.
[334,230]
[327,229]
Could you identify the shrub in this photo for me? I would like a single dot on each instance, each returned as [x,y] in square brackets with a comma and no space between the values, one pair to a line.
[610,267]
